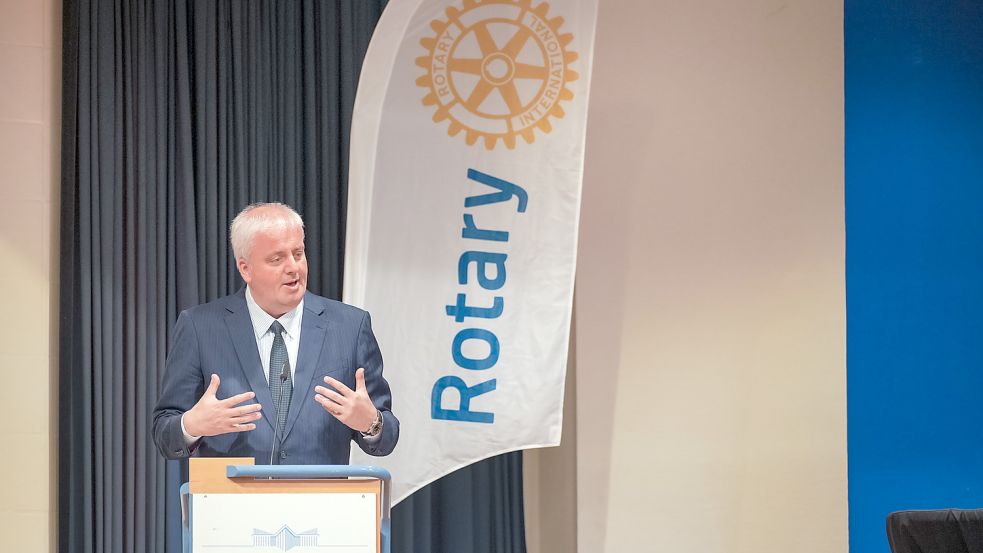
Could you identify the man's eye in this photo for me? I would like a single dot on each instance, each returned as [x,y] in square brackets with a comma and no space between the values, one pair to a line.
[274,260]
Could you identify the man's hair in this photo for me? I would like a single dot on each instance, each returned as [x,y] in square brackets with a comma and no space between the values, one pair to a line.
[253,220]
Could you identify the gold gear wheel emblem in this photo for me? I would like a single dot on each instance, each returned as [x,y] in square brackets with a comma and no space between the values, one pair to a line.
[497,69]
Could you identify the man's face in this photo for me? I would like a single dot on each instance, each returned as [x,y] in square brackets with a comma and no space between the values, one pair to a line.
[276,270]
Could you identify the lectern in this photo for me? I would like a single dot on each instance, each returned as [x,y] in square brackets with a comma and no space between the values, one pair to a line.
[234,505]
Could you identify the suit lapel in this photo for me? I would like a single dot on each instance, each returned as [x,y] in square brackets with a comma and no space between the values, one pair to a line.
[313,329]
[241,330]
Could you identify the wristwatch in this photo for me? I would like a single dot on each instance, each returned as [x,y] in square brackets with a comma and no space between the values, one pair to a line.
[376,426]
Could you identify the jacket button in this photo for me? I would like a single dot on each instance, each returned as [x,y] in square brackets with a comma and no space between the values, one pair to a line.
[283,454]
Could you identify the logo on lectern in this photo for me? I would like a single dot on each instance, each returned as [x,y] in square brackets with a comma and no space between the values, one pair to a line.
[285,538]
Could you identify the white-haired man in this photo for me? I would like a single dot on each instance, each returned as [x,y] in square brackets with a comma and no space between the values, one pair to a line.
[274,372]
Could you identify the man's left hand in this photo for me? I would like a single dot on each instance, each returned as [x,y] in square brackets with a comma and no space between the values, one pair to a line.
[354,408]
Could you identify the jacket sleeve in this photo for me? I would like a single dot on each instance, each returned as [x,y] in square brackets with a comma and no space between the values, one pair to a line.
[182,386]
[369,357]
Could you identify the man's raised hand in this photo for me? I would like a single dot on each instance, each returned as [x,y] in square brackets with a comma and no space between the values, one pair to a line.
[212,416]
[354,408]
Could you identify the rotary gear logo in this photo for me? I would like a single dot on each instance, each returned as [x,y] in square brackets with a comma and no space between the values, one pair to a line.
[497,69]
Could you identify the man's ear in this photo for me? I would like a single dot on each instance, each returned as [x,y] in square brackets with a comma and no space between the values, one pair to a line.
[244,271]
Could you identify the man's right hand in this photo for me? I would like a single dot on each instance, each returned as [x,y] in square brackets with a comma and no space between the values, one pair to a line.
[212,416]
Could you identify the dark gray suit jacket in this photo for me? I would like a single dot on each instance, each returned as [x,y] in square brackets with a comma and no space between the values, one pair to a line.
[217,337]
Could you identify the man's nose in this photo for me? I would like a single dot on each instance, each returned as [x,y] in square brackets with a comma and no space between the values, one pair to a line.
[292,264]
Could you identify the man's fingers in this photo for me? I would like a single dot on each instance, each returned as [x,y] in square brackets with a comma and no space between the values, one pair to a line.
[238,398]
[243,427]
[212,386]
[329,406]
[328,403]
[246,418]
[330,394]
[245,409]
[360,379]
[342,389]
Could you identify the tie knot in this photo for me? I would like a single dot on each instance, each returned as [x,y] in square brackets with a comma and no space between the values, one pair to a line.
[276,328]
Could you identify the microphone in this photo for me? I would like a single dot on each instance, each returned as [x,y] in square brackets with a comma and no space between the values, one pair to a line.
[284,375]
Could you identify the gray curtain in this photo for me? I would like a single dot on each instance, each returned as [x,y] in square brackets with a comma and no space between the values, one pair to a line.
[176,114]
[477,509]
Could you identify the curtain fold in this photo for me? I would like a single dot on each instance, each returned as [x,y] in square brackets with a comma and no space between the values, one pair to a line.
[175,115]
[477,509]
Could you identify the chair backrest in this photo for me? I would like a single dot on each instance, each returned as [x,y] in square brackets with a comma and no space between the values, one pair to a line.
[936,531]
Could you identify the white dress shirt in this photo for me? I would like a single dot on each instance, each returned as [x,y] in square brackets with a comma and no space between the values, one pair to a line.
[291,321]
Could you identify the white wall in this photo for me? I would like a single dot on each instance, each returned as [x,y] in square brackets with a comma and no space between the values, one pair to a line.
[710,303]
[30,69]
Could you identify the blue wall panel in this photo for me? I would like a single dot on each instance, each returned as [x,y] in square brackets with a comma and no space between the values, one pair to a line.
[914,221]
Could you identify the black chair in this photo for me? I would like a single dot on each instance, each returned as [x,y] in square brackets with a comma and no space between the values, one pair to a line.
[941,531]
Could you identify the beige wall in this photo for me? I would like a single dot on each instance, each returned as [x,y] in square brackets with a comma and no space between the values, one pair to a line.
[550,481]
[30,54]
[710,303]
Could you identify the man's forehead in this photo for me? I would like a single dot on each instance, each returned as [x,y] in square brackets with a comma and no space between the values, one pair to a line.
[285,237]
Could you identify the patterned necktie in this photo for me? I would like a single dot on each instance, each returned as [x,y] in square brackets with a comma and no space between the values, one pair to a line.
[281,388]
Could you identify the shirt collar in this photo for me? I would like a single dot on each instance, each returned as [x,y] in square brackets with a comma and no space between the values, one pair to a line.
[262,320]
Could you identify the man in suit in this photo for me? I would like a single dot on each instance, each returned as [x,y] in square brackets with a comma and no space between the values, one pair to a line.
[274,372]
